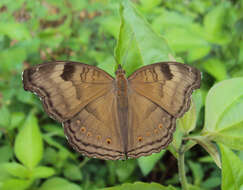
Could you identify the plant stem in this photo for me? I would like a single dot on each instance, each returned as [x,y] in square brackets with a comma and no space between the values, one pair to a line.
[86,159]
[181,168]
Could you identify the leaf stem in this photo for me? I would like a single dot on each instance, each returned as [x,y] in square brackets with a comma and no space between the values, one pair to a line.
[86,159]
[181,168]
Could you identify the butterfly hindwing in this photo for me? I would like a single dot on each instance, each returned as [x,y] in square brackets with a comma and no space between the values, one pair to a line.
[150,127]
[95,131]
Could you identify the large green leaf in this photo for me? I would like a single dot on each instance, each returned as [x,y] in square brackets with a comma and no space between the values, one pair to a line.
[58,183]
[28,144]
[224,113]
[140,186]
[232,173]
[138,44]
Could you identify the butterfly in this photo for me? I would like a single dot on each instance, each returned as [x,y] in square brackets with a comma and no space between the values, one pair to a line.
[114,118]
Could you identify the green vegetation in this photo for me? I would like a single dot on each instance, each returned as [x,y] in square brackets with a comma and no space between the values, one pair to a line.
[208,142]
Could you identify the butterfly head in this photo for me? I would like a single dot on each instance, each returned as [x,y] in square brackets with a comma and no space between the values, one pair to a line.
[120,71]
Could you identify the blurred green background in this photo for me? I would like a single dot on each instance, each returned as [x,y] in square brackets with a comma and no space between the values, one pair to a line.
[206,34]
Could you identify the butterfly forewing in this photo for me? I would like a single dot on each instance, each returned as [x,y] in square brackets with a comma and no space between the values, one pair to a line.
[66,87]
[168,84]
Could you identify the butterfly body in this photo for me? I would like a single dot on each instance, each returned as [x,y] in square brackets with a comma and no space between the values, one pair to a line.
[114,118]
[121,88]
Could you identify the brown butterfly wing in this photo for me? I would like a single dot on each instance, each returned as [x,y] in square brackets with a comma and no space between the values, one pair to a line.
[168,84]
[151,127]
[158,94]
[83,98]
[66,87]
[94,130]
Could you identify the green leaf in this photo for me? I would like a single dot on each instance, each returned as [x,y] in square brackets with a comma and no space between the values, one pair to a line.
[43,172]
[57,145]
[108,66]
[214,23]
[140,186]
[123,169]
[194,187]
[14,31]
[168,20]
[111,25]
[197,98]
[206,159]
[148,6]
[198,53]
[16,170]
[138,44]
[25,97]
[78,5]
[147,163]
[212,182]
[182,33]
[216,68]
[224,113]
[72,172]
[188,122]
[4,117]
[6,153]
[50,155]
[4,175]
[184,39]
[58,183]
[28,143]
[197,172]
[176,143]
[232,173]
[11,59]
[16,119]
[15,184]
[209,147]
[53,130]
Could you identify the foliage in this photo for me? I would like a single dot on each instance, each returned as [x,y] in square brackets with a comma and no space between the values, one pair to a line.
[205,34]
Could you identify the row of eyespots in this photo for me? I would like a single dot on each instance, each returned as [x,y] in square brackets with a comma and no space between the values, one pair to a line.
[108,140]
[98,137]
[156,131]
